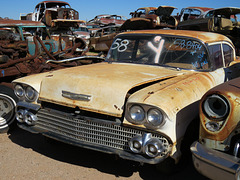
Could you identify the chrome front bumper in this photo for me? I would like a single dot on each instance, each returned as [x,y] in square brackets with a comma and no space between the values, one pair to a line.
[215,164]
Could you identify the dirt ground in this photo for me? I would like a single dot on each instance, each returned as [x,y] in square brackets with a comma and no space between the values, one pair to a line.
[30,156]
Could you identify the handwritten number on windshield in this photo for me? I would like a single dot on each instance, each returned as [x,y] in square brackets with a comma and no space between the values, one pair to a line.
[120,45]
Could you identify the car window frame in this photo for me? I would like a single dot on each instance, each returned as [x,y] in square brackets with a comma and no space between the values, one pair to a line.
[222,53]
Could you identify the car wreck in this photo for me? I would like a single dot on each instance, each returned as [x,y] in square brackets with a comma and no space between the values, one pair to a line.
[102,39]
[82,32]
[140,104]
[143,12]
[27,48]
[151,18]
[107,19]
[47,11]
[222,20]
[190,13]
[216,155]
[59,18]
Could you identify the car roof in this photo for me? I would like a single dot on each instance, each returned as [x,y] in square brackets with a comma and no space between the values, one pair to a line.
[149,8]
[206,37]
[204,9]
[20,23]
[226,10]
[53,2]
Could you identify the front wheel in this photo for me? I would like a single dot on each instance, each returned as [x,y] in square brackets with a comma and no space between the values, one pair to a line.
[8,102]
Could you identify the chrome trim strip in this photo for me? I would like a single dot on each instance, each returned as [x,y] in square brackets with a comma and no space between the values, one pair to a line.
[74,96]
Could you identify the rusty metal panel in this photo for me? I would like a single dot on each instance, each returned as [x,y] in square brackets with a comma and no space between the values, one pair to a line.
[231,91]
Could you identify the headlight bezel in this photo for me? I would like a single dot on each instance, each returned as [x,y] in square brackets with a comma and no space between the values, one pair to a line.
[133,109]
[215,110]
[25,94]
[19,91]
[146,122]
[210,113]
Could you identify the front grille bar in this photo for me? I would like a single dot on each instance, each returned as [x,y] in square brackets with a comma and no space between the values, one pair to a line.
[104,134]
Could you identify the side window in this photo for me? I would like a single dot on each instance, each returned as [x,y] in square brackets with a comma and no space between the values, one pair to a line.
[209,14]
[141,12]
[195,13]
[216,55]
[228,54]
[186,14]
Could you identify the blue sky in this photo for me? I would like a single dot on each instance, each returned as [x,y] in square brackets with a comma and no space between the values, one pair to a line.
[88,9]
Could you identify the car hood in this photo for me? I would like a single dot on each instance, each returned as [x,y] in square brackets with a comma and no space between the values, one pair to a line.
[100,87]
[165,10]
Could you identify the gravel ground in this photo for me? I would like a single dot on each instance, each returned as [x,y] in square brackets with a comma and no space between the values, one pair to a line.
[29,156]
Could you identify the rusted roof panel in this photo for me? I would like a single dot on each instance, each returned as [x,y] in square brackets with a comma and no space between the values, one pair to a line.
[206,37]
[20,23]
[53,2]
[204,9]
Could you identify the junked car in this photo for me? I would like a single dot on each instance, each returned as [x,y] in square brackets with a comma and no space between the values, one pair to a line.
[25,47]
[217,154]
[221,20]
[102,39]
[151,18]
[107,19]
[59,18]
[143,12]
[82,32]
[47,11]
[190,13]
[140,104]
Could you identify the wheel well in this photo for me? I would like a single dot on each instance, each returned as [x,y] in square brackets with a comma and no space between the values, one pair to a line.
[191,135]
[233,140]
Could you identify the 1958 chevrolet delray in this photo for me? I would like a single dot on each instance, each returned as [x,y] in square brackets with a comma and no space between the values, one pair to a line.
[140,104]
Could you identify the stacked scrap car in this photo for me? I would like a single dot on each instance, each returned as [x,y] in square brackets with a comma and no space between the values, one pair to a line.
[151,18]
[106,19]
[192,13]
[221,20]
[144,104]
[47,11]
[102,39]
[59,17]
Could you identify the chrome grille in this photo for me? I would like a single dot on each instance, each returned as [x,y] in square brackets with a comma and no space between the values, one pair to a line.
[103,134]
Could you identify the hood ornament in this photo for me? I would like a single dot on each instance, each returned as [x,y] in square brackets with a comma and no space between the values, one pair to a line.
[74,96]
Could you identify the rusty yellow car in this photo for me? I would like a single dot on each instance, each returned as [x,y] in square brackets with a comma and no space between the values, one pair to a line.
[217,153]
[140,104]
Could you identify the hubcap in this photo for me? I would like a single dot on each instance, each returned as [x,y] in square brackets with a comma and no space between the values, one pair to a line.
[6,111]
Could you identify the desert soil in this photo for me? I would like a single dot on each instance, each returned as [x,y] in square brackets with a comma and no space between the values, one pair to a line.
[31,156]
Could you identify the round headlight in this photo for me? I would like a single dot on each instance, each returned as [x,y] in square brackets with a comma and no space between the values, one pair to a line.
[155,117]
[30,93]
[137,114]
[216,107]
[19,91]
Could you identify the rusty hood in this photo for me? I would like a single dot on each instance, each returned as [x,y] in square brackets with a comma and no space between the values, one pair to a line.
[165,10]
[100,87]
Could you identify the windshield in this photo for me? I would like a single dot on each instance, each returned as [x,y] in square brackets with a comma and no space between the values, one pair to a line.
[171,51]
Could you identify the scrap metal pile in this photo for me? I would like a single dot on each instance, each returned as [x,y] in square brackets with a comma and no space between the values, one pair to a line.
[25,47]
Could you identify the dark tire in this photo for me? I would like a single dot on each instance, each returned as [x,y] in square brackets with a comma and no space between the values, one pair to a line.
[8,102]
[169,166]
